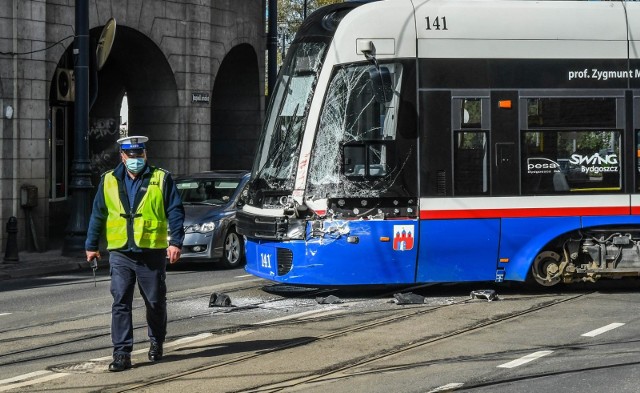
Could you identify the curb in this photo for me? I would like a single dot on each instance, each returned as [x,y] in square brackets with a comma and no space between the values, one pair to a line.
[41,269]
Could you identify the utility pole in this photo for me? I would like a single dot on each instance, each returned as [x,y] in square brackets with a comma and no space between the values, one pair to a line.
[80,184]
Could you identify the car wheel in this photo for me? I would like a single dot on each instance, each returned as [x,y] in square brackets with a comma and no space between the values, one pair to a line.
[233,250]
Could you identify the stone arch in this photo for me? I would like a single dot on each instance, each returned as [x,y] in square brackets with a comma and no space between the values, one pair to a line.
[139,68]
[235,110]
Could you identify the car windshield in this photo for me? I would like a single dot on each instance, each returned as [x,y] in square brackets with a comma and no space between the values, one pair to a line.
[206,191]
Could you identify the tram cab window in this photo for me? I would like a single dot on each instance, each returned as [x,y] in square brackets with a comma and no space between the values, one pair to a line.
[365,160]
[571,146]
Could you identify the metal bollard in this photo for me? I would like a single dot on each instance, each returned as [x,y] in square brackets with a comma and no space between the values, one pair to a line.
[11,252]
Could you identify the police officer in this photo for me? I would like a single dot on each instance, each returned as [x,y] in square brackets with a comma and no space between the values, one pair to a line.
[137,205]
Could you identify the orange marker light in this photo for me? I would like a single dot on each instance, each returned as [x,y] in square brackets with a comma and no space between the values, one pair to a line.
[504,260]
[504,104]
[385,239]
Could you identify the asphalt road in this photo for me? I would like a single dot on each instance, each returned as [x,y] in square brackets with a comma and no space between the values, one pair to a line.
[54,336]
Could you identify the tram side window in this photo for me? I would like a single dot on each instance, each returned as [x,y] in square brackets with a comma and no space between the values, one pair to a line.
[470,163]
[638,159]
[471,113]
[470,147]
[597,112]
[571,161]
[571,145]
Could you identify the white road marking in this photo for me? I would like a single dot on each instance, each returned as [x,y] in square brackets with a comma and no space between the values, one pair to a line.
[244,275]
[24,380]
[525,359]
[603,329]
[294,316]
[223,338]
[4,313]
[45,375]
[183,340]
[102,359]
[24,376]
[447,387]
[325,314]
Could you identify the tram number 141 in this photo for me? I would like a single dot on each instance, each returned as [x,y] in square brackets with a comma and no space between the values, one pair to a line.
[437,23]
[266,260]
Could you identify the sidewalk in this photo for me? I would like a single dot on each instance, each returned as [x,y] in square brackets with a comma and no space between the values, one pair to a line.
[31,264]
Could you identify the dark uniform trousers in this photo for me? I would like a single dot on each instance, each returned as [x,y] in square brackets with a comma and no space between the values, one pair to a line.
[149,269]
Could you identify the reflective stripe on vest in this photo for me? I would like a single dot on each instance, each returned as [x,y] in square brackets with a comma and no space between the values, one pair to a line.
[150,224]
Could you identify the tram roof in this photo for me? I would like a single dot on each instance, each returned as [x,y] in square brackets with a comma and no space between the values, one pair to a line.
[493,29]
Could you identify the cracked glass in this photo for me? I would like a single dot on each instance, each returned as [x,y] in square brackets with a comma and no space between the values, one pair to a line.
[354,153]
[278,151]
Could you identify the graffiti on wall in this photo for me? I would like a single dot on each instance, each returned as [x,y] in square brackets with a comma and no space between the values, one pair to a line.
[103,149]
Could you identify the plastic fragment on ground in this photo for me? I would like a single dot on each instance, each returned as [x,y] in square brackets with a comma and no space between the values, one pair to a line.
[488,294]
[408,298]
[331,299]
[219,300]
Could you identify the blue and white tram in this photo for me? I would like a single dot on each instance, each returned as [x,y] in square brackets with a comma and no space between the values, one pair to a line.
[415,141]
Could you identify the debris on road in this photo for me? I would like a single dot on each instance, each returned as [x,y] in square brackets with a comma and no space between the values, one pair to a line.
[219,300]
[331,299]
[408,298]
[488,294]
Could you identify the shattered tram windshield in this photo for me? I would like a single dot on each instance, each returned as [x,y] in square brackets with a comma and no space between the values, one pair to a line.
[356,152]
[276,159]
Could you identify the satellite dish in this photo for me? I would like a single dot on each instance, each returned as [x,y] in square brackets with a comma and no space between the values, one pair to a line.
[106,41]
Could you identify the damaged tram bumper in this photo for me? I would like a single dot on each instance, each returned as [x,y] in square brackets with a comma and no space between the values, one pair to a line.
[363,251]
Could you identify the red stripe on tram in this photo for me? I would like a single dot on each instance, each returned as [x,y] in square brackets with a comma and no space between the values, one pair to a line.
[528,212]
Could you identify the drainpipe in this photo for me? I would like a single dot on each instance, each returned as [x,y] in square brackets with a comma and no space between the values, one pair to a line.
[14,124]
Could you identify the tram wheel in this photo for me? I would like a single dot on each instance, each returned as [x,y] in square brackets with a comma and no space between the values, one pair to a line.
[546,268]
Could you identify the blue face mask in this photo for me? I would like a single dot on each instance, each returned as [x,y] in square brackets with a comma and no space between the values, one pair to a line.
[135,165]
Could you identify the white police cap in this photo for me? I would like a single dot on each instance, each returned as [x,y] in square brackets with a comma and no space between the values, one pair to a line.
[132,142]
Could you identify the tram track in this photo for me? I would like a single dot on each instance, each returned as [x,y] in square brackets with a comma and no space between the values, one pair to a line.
[337,369]
[62,337]
[89,315]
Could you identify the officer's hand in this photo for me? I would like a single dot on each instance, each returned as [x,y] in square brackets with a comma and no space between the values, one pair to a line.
[173,253]
[92,254]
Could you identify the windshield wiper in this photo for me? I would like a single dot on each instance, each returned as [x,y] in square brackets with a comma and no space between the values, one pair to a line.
[199,203]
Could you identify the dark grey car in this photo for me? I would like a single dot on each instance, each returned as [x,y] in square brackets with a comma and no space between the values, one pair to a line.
[210,200]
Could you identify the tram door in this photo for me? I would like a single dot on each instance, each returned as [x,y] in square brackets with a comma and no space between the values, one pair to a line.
[455,243]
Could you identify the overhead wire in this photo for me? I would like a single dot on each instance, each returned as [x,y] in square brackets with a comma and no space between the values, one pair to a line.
[59,42]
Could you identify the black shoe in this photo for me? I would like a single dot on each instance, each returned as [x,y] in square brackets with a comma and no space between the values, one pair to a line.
[120,363]
[155,351]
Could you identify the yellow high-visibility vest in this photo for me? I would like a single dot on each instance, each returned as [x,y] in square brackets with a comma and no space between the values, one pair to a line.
[150,223]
